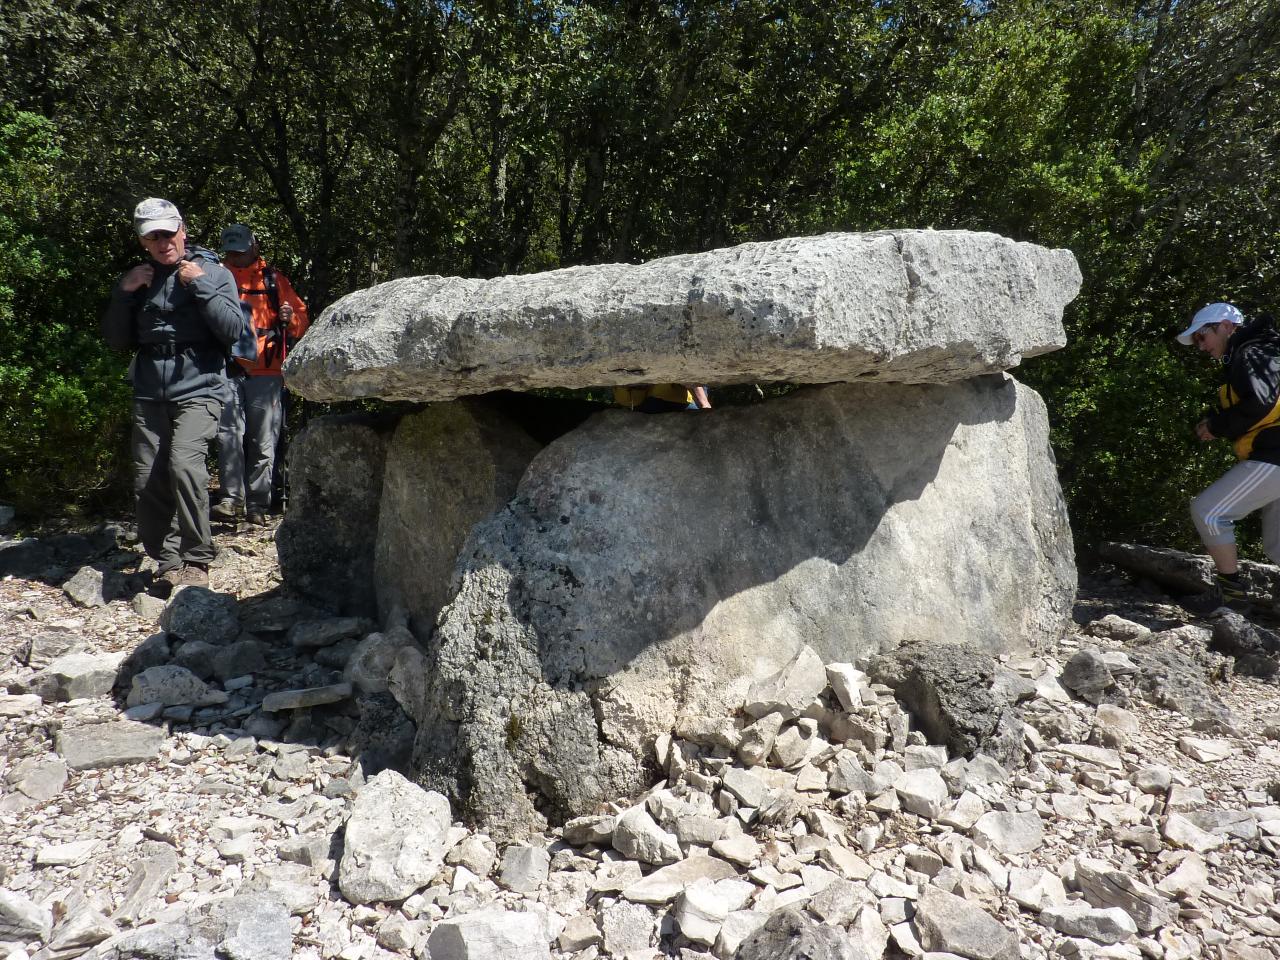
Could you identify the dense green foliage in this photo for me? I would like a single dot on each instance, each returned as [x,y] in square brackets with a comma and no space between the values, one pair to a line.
[367,139]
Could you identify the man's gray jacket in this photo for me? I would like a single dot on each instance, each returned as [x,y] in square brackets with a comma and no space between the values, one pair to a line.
[181,333]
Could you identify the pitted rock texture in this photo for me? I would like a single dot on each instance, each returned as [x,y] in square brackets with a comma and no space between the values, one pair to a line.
[915,306]
[603,600]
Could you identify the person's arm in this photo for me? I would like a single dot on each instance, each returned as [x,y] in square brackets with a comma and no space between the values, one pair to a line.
[213,288]
[700,397]
[298,319]
[118,324]
[1254,377]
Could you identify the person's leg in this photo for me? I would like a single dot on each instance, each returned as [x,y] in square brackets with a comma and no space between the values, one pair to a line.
[152,490]
[263,418]
[1271,530]
[231,471]
[1248,486]
[195,423]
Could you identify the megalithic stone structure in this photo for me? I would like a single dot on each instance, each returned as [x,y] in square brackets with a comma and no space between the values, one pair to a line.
[617,571]
[912,306]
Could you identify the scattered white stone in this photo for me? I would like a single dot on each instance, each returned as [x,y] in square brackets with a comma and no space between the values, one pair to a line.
[664,884]
[395,840]
[1180,831]
[922,792]
[638,836]
[951,924]
[1111,925]
[1206,751]
[489,934]
[1009,833]
[846,682]
[524,868]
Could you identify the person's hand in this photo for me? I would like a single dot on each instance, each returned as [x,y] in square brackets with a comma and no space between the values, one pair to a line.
[286,312]
[1203,432]
[137,278]
[188,270]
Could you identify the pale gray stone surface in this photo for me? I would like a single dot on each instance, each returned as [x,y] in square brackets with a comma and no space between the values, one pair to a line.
[908,305]
[395,840]
[369,666]
[21,920]
[109,744]
[447,468]
[524,867]
[663,885]
[1009,833]
[1110,925]
[76,675]
[952,924]
[603,602]
[638,836]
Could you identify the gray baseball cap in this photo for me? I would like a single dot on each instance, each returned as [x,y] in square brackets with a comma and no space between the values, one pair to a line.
[237,238]
[156,214]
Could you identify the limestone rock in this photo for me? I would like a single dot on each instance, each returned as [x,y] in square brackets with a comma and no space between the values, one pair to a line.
[171,685]
[907,305]
[789,934]
[948,688]
[665,883]
[524,868]
[327,539]
[197,613]
[21,920]
[311,634]
[637,836]
[395,840]
[370,664]
[951,924]
[790,690]
[305,697]
[76,675]
[97,745]
[93,587]
[1104,886]
[514,700]
[1009,833]
[447,468]
[1111,925]
[1087,676]
[247,925]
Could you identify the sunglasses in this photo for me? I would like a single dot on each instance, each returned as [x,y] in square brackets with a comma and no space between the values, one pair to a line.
[1198,337]
[161,235]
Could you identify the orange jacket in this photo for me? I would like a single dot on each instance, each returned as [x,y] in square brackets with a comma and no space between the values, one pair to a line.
[253,291]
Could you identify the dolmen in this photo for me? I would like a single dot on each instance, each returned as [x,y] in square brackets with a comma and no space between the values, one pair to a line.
[579,578]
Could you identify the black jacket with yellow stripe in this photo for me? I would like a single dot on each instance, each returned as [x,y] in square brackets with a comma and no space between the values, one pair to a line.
[1248,411]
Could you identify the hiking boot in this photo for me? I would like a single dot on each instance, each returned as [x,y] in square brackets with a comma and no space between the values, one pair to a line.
[228,511]
[191,575]
[256,518]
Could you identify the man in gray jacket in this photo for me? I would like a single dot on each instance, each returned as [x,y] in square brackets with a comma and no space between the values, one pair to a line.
[179,311]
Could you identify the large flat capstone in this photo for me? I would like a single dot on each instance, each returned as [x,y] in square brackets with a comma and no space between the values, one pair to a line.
[649,565]
[915,306]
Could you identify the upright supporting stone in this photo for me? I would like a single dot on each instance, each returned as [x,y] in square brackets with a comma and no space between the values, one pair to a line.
[326,542]
[653,565]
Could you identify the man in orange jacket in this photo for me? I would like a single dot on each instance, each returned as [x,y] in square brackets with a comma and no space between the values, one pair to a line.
[253,413]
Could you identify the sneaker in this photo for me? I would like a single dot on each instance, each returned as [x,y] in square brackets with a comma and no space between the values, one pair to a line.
[192,575]
[256,518]
[227,511]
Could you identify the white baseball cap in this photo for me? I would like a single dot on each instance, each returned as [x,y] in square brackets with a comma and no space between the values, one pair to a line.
[156,214]
[1207,316]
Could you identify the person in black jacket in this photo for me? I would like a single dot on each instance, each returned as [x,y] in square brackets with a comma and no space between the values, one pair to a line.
[179,311]
[1247,414]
